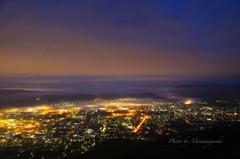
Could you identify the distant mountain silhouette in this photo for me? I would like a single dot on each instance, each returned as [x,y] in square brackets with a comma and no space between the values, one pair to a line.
[145,95]
[15,98]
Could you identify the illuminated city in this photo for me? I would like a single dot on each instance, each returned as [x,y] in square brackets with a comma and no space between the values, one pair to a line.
[126,79]
[69,127]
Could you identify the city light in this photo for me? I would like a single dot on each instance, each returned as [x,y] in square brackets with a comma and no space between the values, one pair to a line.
[140,124]
[188,102]
[85,125]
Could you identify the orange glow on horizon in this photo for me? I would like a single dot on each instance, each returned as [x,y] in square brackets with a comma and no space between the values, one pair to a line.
[188,102]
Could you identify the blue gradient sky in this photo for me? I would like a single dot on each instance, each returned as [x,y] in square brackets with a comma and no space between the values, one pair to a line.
[122,37]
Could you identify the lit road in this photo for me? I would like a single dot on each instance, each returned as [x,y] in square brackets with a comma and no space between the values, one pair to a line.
[140,124]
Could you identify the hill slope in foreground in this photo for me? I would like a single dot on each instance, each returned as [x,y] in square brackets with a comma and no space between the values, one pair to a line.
[161,148]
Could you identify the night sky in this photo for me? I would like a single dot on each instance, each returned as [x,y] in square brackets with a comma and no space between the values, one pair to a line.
[120,37]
